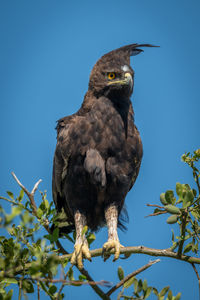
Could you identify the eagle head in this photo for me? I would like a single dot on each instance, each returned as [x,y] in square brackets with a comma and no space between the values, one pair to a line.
[112,73]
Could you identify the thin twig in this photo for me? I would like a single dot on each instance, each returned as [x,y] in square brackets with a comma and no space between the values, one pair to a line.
[119,284]
[197,274]
[8,200]
[63,281]
[94,286]
[20,290]
[36,186]
[30,195]
[62,286]
[20,184]
[155,205]
[38,290]
[157,213]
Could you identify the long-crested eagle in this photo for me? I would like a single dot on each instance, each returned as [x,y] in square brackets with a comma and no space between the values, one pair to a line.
[98,154]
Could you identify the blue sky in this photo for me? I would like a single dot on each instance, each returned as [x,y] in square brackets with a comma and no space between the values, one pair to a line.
[47,51]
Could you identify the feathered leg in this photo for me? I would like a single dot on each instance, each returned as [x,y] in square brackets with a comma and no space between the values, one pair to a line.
[111,215]
[81,245]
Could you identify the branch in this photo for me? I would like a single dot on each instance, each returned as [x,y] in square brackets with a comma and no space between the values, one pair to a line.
[155,205]
[197,274]
[124,250]
[30,195]
[144,250]
[119,284]
[8,200]
[183,226]
[48,229]
[38,290]
[94,286]
[70,282]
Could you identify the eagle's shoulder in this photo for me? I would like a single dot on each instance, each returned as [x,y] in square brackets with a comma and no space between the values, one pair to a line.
[65,122]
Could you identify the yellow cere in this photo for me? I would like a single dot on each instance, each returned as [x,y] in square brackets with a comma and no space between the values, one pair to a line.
[111,75]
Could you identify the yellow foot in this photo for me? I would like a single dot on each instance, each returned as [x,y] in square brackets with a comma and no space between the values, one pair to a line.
[110,244]
[80,250]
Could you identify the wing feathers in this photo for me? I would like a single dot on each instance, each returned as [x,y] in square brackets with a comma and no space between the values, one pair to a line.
[95,166]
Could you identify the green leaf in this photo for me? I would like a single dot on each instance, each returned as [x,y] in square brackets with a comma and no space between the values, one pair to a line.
[195,214]
[178,296]
[65,262]
[139,286]
[164,291]
[120,273]
[129,282]
[9,280]
[188,199]
[27,286]
[52,289]
[162,199]
[135,284]
[85,229]
[179,189]
[187,248]
[39,212]
[172,219]
[82,277]
[21,195]
[145,285]
[155,291]
[172,209]
[169,196]
[170,296]
[46,203]
[147,292]
[194,192]
[71,274]
[10,194]
[172,235]
[91,238]
[55,234]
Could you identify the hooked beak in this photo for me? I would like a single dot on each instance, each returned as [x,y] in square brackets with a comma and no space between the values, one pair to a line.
[128,80]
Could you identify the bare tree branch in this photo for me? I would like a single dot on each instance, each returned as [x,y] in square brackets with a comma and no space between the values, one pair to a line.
[197,274]
[36,186]
[119,284]
[30,195]
[144,250]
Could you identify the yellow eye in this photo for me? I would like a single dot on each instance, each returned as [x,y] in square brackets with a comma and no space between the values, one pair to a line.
[111,75]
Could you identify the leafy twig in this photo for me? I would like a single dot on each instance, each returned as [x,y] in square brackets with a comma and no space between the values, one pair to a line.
[119,284]
[61,250]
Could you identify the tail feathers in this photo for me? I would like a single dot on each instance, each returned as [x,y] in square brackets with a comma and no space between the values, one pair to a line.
[95,166]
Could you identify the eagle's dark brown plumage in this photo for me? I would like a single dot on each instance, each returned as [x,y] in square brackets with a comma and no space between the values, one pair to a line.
[98,153]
